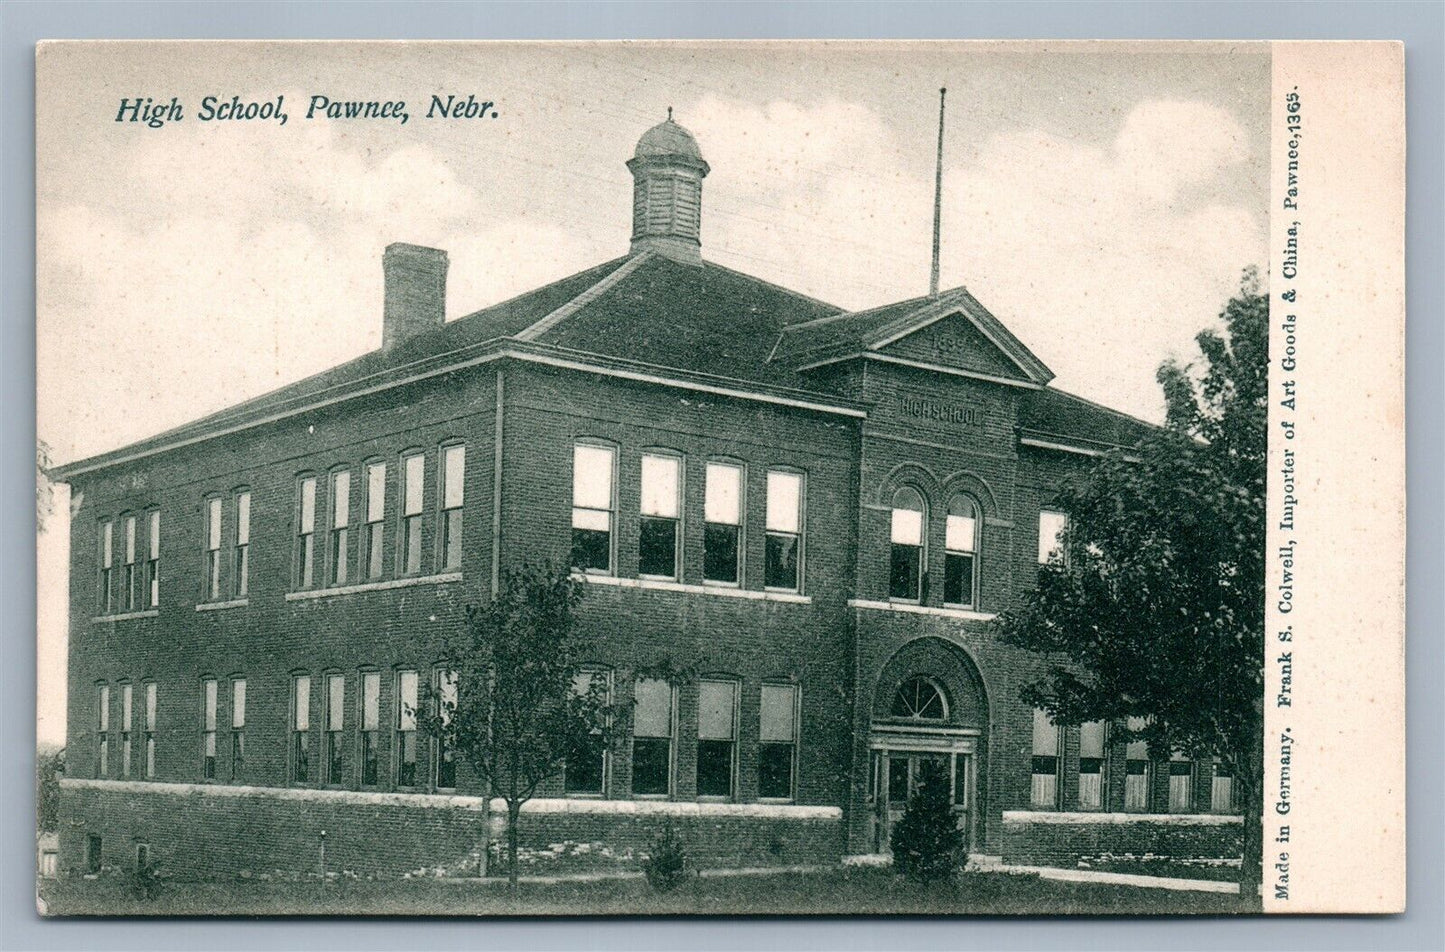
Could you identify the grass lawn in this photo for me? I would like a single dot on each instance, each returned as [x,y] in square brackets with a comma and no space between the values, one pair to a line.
[841,891]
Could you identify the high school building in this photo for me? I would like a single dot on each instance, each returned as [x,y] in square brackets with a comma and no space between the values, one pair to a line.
[815,513]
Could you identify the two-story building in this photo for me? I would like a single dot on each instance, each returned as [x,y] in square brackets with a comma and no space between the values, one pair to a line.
[815,513]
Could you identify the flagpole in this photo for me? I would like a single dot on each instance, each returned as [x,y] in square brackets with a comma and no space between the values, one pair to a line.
[937,198]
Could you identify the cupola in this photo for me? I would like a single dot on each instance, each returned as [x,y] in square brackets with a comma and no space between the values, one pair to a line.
[667,172]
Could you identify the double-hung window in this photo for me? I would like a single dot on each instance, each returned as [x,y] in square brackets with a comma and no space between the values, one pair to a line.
[213,548]
[306,532]
[406,700]
[374,540]
[593,506]
[132,575]
[1136,770]
[301,728]
[208,729]
[717,730]
[335,724]
[906,533]
[1221,788]
[783,538]
[107,554]
[586,768]
[960,545]
[778,741]
[126,701]
[652,729]
[454,470]
[1051,536]
[413,474]
[1044,788]
[339,551]
[150,730]
[241,557]
[1093,737]
[102,730]
[1181,783]
[722,524]
[153,563]
[660,524]
[444,770]
[370,728]
[238,729]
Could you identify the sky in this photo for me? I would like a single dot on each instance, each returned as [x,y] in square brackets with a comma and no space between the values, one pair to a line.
[1101,200]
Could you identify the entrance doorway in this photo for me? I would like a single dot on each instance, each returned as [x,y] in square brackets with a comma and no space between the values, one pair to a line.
[898,762]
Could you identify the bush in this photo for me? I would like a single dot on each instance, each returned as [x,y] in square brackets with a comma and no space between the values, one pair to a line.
[927,844]
[666,862]
[145,882]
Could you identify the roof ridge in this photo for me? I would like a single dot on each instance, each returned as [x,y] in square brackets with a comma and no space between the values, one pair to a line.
[541,287]
[587,296]
[1099,406]
[774,285]
[869,310]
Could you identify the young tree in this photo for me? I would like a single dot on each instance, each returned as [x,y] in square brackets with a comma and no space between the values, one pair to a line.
[927,843]
[522,703]
[1157,605]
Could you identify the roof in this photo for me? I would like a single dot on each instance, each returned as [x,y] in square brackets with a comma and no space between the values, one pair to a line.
[667,138]
[646,314]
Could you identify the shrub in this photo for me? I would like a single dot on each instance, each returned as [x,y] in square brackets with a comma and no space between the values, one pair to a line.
[666,862]
[145,882]
[927,844]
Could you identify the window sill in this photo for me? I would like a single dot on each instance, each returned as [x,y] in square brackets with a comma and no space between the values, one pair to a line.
[916,609]
[657,585]
[221,606]
[373,586]
[128,616]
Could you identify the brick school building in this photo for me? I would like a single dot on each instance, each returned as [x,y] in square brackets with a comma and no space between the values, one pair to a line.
[816,513]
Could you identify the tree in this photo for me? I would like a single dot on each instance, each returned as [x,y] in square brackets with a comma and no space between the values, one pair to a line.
[927,842]
[49,766]
[522,703]
[1157,604]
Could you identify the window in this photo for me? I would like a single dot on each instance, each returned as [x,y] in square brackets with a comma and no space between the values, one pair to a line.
[722,524]
[339,549]
[660,516]
[370,727]
[652,727]
[1092,743]
[1181,783]
[306,532]
[1136,771]
[142,856]
[241,558]
[301,728]
[92,854]
[587,767]
[213,548]
[153,564]
[374,541]
[1051,531]
[103,592]
[960,546]
[454,464]
[777,741]
[918,698]
[238,729]
[208,729]
[782,553]
[444,770]
[592,507]
[131,576]
[1044,789]
[716,736]
[413,471]
[150,729]
[102,731]
[125,727]
[905,572]
[335,724]
[1221,788]
[406,728]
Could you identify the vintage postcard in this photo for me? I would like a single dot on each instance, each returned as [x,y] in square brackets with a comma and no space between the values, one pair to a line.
[720,477]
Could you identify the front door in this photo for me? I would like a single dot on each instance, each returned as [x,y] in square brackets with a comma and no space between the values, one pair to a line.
[896,775]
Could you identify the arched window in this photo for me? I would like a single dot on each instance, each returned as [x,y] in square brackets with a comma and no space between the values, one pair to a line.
[905,574]
[920,699]
[960,575]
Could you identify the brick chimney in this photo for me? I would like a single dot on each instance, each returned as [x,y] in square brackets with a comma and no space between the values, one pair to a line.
[415,295]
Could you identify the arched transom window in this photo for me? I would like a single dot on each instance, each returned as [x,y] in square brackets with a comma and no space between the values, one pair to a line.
[920,699]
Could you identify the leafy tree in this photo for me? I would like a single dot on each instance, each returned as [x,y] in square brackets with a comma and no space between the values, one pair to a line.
[524,703]
[49,765]
[1157,605]
[927,843]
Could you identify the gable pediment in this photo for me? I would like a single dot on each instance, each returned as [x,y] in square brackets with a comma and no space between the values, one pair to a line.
[953,341]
